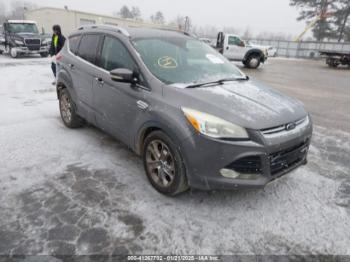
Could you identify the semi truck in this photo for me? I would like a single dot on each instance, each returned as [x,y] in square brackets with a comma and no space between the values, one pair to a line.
[22,37]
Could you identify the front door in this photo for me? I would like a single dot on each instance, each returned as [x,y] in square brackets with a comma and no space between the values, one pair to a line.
[116,103]
[234,49]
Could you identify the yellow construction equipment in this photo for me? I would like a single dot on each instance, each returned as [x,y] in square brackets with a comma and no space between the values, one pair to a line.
[320,17]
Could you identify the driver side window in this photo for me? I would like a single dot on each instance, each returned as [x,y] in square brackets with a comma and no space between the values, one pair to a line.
[115,55]
[233,40]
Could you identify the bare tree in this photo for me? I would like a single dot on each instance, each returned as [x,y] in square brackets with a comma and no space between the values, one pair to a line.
[125,12]
[2,12]
[158,18]
[18,9]
[247,33]
[207,31]
[231,30]
[136,12]
[129,13]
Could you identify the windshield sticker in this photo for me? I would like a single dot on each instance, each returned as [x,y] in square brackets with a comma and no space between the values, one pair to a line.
[167,62]
[214,59]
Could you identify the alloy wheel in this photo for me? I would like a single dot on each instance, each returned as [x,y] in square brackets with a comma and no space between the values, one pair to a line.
[160,163]
[66,108]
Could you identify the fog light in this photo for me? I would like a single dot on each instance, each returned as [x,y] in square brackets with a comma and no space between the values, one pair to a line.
[249,176]
[235,175]
[229,173]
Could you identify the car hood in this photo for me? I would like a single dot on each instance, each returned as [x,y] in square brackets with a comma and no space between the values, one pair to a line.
[246,103]
[25,35]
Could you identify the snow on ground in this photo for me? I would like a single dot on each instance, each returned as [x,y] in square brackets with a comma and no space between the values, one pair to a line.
[80,191]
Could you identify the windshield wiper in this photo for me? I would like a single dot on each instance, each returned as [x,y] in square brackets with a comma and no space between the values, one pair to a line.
[220,81]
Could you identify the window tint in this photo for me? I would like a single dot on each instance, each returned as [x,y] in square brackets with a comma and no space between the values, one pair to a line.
[232,40]
[73,43]
[114,55]
[88,46]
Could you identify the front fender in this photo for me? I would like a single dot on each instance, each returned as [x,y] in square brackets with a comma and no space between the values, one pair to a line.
[177,128]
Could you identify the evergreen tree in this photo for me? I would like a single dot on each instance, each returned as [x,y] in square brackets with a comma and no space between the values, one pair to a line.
[311,10]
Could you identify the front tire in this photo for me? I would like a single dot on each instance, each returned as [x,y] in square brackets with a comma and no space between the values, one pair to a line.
[164,165]
[68,110]
[253,61]
[13,53]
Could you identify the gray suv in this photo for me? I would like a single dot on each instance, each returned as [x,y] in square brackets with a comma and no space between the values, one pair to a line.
[196,119]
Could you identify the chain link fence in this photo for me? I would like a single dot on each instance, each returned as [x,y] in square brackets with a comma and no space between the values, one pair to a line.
[309,49]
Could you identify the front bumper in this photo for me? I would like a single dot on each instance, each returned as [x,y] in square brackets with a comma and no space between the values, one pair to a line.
[31,50]
[266,158]
[264,58]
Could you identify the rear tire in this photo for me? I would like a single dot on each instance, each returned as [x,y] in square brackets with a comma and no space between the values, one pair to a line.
[68,110]
[333,63]
[164,165]
[253,61]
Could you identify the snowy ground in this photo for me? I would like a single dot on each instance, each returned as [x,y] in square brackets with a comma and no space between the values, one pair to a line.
[80,192]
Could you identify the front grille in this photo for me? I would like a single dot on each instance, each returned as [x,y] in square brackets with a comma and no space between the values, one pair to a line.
[282,128]
[34,48]
[288,158]
[247,165]
[32,41]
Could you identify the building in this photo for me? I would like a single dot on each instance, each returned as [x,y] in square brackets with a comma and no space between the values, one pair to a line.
[70,20]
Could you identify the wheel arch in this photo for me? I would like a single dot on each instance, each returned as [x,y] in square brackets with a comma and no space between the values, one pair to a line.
[254,51]
[64,80]
[150,127]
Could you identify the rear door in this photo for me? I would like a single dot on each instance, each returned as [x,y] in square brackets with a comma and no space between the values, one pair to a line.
[116,102]
[83,70]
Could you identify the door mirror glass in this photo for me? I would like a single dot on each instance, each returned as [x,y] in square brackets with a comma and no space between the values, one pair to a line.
[124,75]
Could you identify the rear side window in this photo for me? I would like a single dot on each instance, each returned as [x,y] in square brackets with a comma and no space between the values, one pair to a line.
[88,46]
[73,43]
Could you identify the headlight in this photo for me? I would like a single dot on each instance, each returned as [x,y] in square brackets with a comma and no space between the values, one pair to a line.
[46,41]
[213,126]
[19,42]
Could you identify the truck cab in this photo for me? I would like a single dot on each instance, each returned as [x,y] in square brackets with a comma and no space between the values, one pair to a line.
[22,37]
[235,49]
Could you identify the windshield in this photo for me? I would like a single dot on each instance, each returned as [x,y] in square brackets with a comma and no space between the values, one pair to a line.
[23,28]
[184,60]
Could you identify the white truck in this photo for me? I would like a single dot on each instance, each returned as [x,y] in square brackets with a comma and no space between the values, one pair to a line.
[235,49]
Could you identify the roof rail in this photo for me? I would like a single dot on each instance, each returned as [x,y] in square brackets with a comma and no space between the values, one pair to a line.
[120,30]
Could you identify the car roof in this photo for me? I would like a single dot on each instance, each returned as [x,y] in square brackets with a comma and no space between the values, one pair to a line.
[133,32]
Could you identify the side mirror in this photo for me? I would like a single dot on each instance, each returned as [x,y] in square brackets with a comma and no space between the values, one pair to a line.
[123,75]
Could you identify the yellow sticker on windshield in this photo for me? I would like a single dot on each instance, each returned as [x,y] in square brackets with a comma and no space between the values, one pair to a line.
[167,62]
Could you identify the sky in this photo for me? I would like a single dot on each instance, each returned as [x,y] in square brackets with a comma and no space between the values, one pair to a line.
[274,16]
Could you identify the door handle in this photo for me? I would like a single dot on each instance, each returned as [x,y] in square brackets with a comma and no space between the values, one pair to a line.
[99,80]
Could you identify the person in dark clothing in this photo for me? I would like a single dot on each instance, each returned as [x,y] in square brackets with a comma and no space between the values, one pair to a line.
[57,44]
